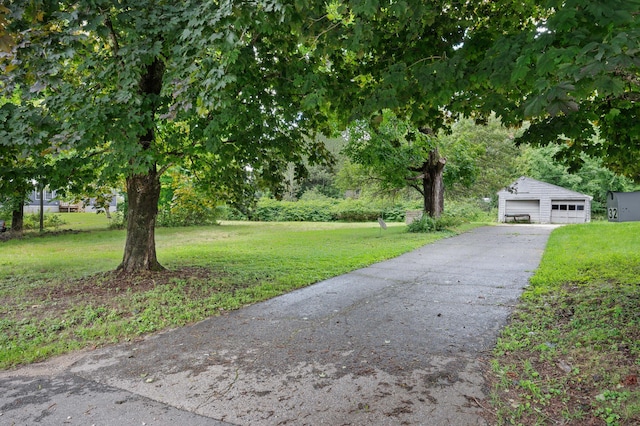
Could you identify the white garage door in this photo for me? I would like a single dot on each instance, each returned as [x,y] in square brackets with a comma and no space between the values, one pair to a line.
[530,207]
[568,212]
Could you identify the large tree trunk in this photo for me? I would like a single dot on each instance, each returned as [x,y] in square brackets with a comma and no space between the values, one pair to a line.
[17,220]
[143,192]
[433,184]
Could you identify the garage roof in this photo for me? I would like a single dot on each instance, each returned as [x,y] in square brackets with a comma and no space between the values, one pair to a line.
[526,187]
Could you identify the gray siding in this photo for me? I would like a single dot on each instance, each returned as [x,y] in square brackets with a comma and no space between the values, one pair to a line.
[527,189]
[623,206]
[530,207]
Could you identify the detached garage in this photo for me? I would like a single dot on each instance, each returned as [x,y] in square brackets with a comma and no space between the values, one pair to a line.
[529,200]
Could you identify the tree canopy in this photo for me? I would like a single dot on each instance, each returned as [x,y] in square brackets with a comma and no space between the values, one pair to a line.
[573,71]
[570,68]
[222,87]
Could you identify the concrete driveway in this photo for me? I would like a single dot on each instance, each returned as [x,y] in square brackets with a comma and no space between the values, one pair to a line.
[400,342]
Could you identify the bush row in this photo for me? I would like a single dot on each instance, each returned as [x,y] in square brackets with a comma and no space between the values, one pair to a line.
[320,210]
[51,220]
[180,216]
[429,224]
[327,210]
[456,213]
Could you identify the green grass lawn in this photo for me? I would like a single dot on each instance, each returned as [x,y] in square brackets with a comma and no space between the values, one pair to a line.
[571,354]
[75,221]
[57,294]
[84,221]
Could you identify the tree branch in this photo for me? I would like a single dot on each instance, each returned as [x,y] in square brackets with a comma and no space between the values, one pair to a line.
[417,188]
[336,25]
[428,58]
[112,35]
[420,176]
[164,168]
[627,76]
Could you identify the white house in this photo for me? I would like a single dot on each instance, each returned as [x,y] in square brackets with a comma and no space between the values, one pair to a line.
[530,200]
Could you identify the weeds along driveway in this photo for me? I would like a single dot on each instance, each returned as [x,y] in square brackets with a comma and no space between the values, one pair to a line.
[399,342]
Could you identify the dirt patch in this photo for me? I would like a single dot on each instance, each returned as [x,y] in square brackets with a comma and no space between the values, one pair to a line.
[582,369]
[52,299]
[8,235]
[563,399]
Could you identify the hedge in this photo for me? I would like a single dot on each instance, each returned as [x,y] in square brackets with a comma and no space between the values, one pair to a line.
[327,210]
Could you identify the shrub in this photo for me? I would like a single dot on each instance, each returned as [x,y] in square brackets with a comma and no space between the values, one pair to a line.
[269,210]
[425,224]
[428,224]
[32,221]
[314,194]
[317,208]
[228,212]
[182,216]
[188,207]
[471,211]
[118,220]
[449,221]
[357,211]
[396,213]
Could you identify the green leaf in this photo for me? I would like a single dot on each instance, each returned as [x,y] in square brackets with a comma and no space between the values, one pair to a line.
[547,62]
[622,17]
[609,86]
[522,67]
[534,106]
[6,43]
[593,68]
[367,8]
[565,105]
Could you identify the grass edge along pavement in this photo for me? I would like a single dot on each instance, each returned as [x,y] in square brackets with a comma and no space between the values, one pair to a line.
[571,353]
[58,292]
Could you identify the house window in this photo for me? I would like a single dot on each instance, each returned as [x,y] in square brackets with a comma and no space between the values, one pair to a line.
[563,207]
[580,207]
[47,195]
[555,207]
[572,207]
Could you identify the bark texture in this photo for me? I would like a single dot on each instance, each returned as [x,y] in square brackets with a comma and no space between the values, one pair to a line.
[17,220]
[143,192]
[433,184]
